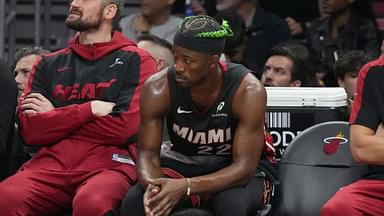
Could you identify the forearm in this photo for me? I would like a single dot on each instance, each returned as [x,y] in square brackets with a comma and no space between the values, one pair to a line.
[237,174]
[52,126]
[148,167]
[111,130]
[368,149]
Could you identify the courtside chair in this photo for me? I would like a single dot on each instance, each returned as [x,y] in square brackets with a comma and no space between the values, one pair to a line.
[314,166]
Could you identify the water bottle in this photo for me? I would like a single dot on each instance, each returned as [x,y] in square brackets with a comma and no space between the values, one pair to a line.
[188,9]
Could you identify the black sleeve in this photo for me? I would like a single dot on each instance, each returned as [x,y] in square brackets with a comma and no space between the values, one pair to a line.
[7,105]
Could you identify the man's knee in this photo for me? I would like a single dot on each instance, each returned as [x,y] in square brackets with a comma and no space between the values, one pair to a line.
[235,202]
[88,204]
[12,200]
[337,206]
[133,202]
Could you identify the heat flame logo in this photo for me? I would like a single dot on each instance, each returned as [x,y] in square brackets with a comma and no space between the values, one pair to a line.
[332,143]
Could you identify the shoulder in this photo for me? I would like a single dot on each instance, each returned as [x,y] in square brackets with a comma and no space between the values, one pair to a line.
[251,85]
[250,90]
[372,68]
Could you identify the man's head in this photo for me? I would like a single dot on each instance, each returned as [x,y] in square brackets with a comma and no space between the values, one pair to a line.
[286,66]
[333,7]
[159,48]
[198,44]
[24,60]
[152,8]
[347,69]
[87,15]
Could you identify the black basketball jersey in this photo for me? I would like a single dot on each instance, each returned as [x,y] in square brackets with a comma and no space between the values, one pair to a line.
[211,133]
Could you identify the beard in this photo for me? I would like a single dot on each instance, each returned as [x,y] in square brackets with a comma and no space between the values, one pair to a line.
[83,25]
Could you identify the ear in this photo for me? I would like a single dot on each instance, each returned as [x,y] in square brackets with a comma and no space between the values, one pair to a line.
[340,82]
[160,64]
[110,11]
[214,60]
[296,83]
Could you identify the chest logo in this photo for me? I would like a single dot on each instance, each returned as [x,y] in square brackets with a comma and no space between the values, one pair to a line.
[118,61]
[180,111]
[220,106]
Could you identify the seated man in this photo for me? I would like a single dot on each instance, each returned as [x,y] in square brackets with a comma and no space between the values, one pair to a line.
[289,65]
[365,196]
[215,118]
[24,59]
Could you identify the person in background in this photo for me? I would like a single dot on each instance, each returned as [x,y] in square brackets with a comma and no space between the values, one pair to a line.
[81,106]
[155,17]
[159,48]
[350,25]
[264,30]
[25,57]
[347,70]
[289,65]
[215,118]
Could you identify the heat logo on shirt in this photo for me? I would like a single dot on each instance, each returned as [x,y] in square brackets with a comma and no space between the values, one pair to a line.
[87,90]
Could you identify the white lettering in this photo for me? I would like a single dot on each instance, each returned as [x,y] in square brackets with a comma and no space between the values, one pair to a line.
[214,136]
[181,132]
[200,138]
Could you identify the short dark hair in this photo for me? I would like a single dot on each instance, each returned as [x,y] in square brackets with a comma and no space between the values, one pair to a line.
[301,58]
[156,40]
[27,51]
[350,62]
[202,33]
[195,25]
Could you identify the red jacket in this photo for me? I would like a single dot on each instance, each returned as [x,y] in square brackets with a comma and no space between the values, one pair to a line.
[71,137]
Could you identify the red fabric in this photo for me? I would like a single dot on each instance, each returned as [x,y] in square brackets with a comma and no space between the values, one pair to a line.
[49,193]
[364,197]
[72,136]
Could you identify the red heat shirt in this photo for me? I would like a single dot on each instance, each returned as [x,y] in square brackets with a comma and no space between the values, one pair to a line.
[71,137]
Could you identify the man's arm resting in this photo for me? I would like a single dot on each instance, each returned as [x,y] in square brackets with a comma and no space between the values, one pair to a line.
[52,126]
[367,145]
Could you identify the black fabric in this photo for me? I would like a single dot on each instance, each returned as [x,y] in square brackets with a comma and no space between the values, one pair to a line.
[238,201]
[358,34]
[371,107]
[191,130]
[7,115]
[199,44]
[266,31]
